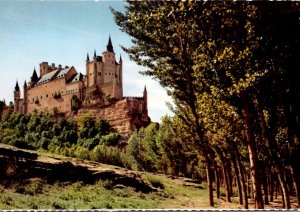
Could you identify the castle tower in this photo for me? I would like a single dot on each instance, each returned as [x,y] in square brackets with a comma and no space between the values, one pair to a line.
[109,46]
[145,97]
[17,96]
[104,73]
[25,98]
[34,78]
[120,76]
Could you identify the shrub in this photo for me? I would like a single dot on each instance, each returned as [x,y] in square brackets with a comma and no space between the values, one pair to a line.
[155,182]
[82,153]
[105,154]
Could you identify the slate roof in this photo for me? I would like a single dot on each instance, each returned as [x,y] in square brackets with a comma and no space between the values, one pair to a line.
[63,72]
[99,59]
[76,78]
[47,77]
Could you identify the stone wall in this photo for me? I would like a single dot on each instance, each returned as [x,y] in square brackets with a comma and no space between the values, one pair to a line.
[42,97]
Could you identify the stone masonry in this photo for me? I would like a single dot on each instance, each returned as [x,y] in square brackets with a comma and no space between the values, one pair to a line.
[100,92]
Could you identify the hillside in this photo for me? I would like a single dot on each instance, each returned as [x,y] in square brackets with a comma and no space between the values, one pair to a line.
[32,180]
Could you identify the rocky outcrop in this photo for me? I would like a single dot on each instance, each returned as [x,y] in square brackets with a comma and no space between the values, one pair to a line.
[123,115]
[17,165]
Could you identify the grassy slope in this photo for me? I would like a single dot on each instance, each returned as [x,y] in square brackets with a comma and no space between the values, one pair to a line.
[36,194]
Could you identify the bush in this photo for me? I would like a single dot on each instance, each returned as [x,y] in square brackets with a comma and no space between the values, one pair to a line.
[82,153]
[155,182]
[105,154]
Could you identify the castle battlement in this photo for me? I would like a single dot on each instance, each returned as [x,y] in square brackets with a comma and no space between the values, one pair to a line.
[99,91]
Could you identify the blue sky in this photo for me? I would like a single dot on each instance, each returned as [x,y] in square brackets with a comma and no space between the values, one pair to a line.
[63,33]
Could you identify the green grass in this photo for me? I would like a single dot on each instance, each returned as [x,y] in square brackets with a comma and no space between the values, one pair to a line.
[38,195]
[170,194]
[74,196]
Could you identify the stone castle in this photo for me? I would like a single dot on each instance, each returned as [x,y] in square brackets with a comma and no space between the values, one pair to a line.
[100,92]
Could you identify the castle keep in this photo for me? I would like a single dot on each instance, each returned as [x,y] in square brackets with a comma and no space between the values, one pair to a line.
[100,92]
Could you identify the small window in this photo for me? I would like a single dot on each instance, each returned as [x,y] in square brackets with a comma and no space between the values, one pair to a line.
[47,95]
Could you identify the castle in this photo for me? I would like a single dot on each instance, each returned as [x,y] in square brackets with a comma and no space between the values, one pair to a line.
[100,92]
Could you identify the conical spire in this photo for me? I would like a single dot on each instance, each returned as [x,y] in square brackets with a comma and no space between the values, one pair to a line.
[109,46]
[145,89]
[95,55]
[120,58]
[17,88]
[87,57]
[25,84]
[34,77]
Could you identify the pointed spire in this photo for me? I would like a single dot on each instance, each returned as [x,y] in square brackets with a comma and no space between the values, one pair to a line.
[87,57]
[25,84]
[120,58]
[95,55]
[34,77]
[17,88]
[145,89]
[109,46]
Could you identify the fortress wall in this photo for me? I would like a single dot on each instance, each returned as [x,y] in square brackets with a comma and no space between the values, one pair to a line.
[107,89]
[45,95]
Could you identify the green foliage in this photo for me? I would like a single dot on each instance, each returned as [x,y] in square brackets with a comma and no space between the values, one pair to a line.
[155,182]
[37,194]
[85,139]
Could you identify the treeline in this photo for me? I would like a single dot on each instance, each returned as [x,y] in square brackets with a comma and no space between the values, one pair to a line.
[231,69]
[86,138]
[155,148]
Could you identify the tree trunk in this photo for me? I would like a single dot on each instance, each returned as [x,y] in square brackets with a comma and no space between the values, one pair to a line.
[283,201]
[229,177]
[265,185]
[254,169]
[284,189]
[272,150]
[271,186]
[217,178]
[226,180]
[225,173]
[243,183]
[296,183]
[276,189]
[238,180]
[209,182]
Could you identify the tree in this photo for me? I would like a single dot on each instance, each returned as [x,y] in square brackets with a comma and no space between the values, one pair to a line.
[229,50]
[165,46]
